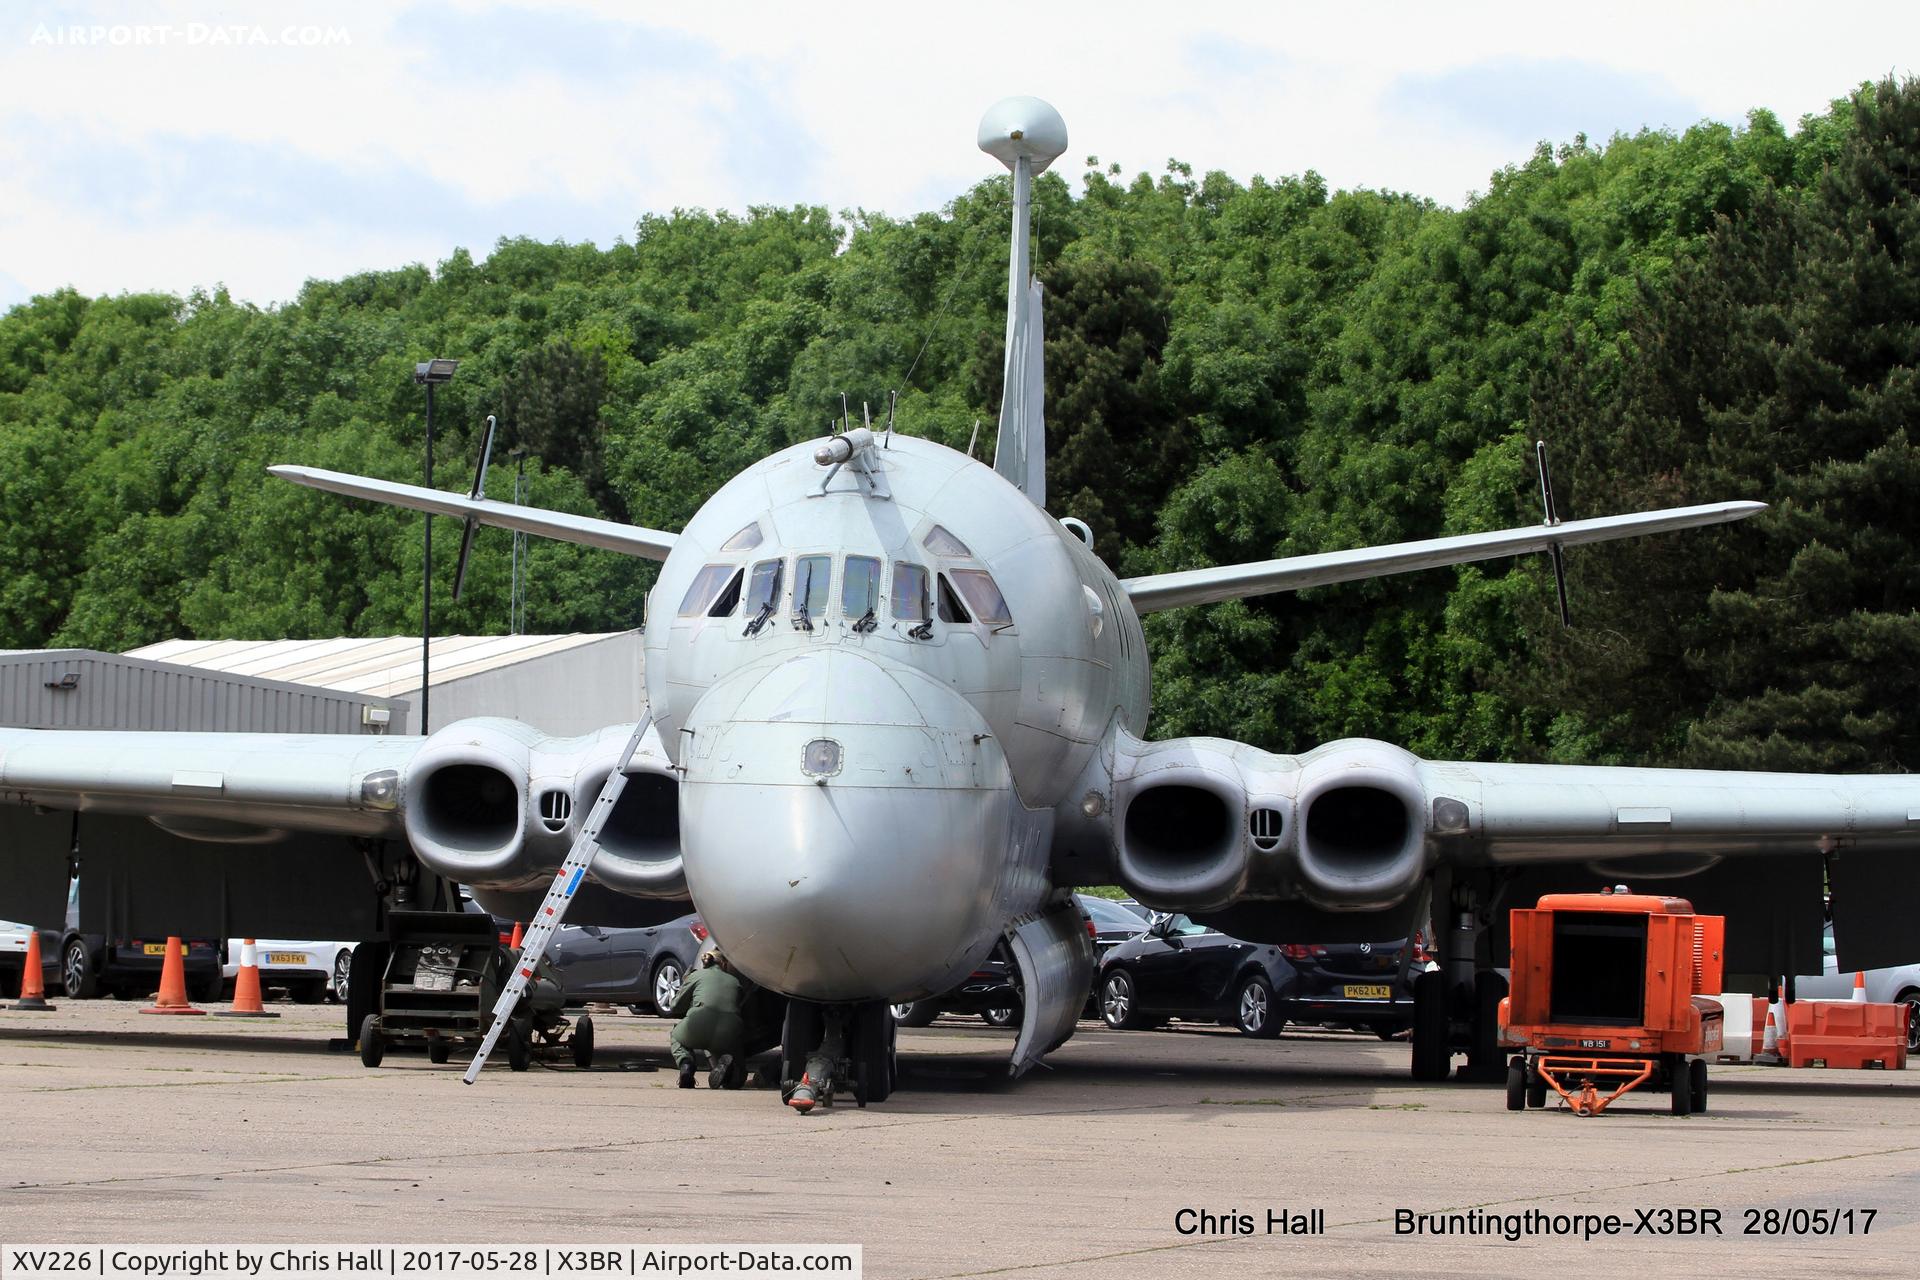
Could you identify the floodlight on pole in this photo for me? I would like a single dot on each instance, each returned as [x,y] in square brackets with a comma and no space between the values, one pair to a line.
[429,374]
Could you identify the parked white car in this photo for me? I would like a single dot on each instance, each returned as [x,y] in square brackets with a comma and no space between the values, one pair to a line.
[1898,985]
[308,971]
[13,957]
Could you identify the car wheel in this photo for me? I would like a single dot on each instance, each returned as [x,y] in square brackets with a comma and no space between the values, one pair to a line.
[582,1042]
[342,972]
[206,989]
[76,972]
[920,1013]
[1120,1002]
[1911,999]
[372,1043]
[1005,1017]
[1254,1011]
[666,983]
[438,1051]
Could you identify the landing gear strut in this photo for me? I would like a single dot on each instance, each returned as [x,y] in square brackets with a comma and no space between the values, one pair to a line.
[866,1066]
[1456,1009]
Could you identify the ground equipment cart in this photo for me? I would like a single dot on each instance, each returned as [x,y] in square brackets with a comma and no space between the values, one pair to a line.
[1608,992]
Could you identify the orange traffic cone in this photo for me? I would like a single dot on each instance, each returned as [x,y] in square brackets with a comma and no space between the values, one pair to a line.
[33,979]
[1860,987]
[173,982]
[1769,1054]
[519,935]
[246,988]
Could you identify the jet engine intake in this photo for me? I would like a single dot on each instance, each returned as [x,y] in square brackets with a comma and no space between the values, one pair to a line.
[466,797]
[640,843]
[1181,842]
[1362,831]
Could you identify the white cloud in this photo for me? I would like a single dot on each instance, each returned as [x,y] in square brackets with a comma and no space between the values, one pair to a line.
[352,135]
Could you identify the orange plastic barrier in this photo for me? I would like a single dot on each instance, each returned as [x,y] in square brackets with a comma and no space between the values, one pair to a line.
[1846,1034]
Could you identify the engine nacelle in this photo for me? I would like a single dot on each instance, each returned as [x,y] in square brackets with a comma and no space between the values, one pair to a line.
[496,804]
[1180,825]
[1362,838]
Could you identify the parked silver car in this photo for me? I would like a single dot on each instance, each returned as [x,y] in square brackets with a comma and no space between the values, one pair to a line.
[1898,985]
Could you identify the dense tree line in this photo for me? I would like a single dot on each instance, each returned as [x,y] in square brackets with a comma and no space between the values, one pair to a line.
[1235,371]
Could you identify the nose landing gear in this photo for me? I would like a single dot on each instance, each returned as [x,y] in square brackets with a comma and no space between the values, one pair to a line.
[828,1048]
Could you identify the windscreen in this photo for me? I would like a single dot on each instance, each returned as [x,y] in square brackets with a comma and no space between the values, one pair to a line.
[812,585]
[860,588]
[764,588]
[910,592]
[706,586]
[977,588]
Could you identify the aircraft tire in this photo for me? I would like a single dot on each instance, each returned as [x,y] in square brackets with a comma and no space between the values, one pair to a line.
[873,1052]
[519,1052]
[1432,1054]
[438,1051]
[1484,1064]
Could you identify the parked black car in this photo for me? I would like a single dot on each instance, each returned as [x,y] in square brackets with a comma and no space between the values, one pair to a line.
[989,991]
[1181,969]
[84,965]
[1113,922]
[637,967]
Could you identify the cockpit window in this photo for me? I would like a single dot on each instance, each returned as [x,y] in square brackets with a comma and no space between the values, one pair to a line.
[910,592]
[706,588]
[727,601]
[812,586]
[951,610]
[977,588]
[745,540]
[764,587]
[942,543]
[860,588]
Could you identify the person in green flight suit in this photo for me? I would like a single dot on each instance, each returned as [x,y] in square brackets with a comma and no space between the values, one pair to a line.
[717,1012]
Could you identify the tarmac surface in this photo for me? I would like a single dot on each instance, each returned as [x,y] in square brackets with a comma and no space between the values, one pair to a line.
[122,1128]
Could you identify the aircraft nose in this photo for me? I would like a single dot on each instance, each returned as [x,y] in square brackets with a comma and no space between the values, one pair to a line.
[844,824]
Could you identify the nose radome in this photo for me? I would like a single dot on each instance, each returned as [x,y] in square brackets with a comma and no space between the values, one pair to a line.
[873,876]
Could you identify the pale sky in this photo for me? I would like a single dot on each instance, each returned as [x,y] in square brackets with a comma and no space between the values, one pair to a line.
[183,143]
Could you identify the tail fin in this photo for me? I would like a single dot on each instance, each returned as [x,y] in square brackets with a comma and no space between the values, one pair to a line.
[1026,135]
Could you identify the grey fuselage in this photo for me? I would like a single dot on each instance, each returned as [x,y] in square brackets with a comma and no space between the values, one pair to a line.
[893,873]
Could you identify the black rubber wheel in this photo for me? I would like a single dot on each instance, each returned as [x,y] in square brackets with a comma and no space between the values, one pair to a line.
[1911,999]
[920,1013]
[1432,1054]
[308,992]
[76,971]
[872,1048]
[1120,1002]
[1697,1083]
[519,1052]
[1485,1064]
[365,975]
[1255,1011]
[860,1085]
[438,1050]
[582,1042]
[1536,1087]
[373,1046]
[799,1037]
[1680,1083]
[1517,1085]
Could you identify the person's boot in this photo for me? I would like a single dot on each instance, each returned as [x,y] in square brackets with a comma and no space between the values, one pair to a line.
[801,1099]
[721,1077]
[686,1075]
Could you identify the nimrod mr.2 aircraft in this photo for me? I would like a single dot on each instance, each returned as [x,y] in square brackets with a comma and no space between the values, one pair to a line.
[897,709]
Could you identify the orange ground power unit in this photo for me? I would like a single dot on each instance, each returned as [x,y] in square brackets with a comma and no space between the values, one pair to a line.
[1606,995]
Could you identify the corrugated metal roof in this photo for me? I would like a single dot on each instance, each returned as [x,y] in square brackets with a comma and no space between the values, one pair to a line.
[379,665]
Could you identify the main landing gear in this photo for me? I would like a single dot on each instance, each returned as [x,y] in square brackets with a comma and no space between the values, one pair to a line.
[865,1064]
[1456,1008]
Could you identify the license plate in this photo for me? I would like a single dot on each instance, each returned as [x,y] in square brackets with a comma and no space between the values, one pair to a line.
[155,948]
[286,957]
[1368,993]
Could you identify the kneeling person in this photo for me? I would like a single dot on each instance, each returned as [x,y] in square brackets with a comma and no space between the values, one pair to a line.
[709,1005]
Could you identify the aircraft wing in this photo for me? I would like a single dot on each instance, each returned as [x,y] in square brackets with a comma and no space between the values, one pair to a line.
[592,531]
[1294,573]
[330,782]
